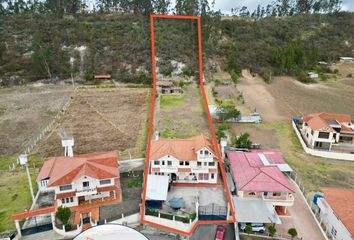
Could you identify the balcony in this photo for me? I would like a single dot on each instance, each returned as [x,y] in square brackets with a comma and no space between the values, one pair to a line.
[282,200]
[86,191]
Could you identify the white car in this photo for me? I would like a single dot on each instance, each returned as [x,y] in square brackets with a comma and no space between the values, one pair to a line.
[256,227]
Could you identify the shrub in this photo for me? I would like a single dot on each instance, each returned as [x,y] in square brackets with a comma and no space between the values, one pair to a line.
[272,230]
[234,76]
[292,232]
[350,75]
[63,214]
[243,141]
[89,73]
[248,229]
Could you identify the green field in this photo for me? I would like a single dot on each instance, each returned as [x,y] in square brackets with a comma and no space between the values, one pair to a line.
[169,103]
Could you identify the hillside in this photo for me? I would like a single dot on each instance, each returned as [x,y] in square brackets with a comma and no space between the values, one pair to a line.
[34,47]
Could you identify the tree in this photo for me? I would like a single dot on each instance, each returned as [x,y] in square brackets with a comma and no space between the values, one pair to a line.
[63,214]
[272,230]
[248,229]
[292,232]
[162,6]
[243,141]
[89,73]
[228,111]
[220,133]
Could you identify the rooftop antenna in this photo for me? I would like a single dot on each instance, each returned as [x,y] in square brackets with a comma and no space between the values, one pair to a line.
[67,142]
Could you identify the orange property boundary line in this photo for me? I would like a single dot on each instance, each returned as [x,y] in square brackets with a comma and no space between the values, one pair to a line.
[215,142]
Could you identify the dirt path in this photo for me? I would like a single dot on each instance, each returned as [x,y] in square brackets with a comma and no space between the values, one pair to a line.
[257,97]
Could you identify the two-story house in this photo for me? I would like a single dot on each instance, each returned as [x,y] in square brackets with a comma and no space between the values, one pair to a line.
[325,130]
[190,160]
[82,178]
[258,175]
[336,210]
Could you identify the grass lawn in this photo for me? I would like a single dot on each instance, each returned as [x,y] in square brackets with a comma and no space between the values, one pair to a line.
[14,195]
[169,102]
[315,172]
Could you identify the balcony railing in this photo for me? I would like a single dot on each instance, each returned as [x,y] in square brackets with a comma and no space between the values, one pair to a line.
[86,191]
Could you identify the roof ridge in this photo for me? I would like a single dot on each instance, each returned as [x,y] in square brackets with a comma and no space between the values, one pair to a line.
[275,179]
[251,179]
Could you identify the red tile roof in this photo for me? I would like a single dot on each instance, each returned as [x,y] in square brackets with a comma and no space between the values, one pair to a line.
[65,195]
[102,76]
[65,170]
[341,200]
[251,175]
[182,149]
[317,121]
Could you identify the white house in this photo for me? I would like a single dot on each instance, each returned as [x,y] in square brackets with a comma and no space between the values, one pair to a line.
[312,74]
[337,212]
[325,131]
[190,160]
[346,59]
[82,178]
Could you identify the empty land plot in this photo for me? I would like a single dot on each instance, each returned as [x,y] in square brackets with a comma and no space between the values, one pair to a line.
[103,120]
[184,115]
[24,113]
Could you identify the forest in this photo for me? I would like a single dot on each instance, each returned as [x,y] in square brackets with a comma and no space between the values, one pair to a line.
[57,39]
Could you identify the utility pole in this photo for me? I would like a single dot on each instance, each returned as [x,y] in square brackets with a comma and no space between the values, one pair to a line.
[23,161]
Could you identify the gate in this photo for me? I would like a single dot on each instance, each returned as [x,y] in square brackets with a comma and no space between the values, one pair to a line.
[36,229]
[86,220]
[212,212]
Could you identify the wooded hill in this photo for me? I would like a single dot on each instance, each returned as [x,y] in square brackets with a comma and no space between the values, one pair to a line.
[41,46]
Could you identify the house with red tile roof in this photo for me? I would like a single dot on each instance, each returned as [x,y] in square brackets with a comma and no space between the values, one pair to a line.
[327,131]
[336,210]
[81,178]
[188,160]
[257,175]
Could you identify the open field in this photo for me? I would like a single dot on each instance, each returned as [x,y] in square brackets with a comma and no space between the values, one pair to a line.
[24,113]
[103,120]
[182,116]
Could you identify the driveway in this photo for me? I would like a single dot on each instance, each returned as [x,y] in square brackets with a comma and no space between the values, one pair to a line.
[300,218]
[207,232]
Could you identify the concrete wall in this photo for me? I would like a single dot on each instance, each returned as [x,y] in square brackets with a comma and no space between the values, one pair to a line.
[318,153]
[172,224]
[331,221]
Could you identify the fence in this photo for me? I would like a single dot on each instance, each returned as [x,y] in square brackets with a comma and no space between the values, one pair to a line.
[313,208]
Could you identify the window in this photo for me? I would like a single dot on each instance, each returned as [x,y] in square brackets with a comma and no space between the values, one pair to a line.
[203,176]
[105,181]
[169,163]
[163,163]
[65,187]
[85,184]
[212,175]
[205,164]
[206,152]
[71,199]
[181,163]
[276,194]
[265,194]
[201,152]
[186,163]
[251,193]
[312,132]
[199,164]
[323,135]
[333,232]
[156,162]
[211,163]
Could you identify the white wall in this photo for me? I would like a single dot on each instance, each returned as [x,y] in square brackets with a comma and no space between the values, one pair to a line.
[332,222]
[319,153]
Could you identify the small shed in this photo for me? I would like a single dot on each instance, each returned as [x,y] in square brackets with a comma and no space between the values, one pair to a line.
[166,87]
[107,76]
[346,59]
[312,74]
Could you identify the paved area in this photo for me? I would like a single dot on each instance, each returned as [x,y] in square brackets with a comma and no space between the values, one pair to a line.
[207,232]
[43,235]
[300,218]
[206,195]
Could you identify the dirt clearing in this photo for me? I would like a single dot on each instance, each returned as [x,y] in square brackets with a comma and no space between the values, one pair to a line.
[103,120]
[24,113]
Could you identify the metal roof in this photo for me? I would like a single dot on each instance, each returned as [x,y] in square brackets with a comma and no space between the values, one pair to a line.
[248,210]
[157,187]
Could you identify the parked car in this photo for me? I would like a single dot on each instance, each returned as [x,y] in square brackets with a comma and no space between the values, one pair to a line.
[256,227]
[220,232]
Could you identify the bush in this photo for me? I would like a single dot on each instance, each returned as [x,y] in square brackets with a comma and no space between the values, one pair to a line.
[187,71]
[292,232]
[89,76]
[151,212]
[234,76]
[350,75]
[248,229]
[243,141]
[63,214]
[272,230]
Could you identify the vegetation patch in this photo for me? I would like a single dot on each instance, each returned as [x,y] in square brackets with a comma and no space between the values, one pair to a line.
[169,103]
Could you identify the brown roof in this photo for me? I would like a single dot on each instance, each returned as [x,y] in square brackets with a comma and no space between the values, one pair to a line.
[65,170]
[341,200]
[182,149]
[317,121]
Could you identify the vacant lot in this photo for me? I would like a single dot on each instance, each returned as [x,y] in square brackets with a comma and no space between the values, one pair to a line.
[103,120]
[24,113]
[182,116]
